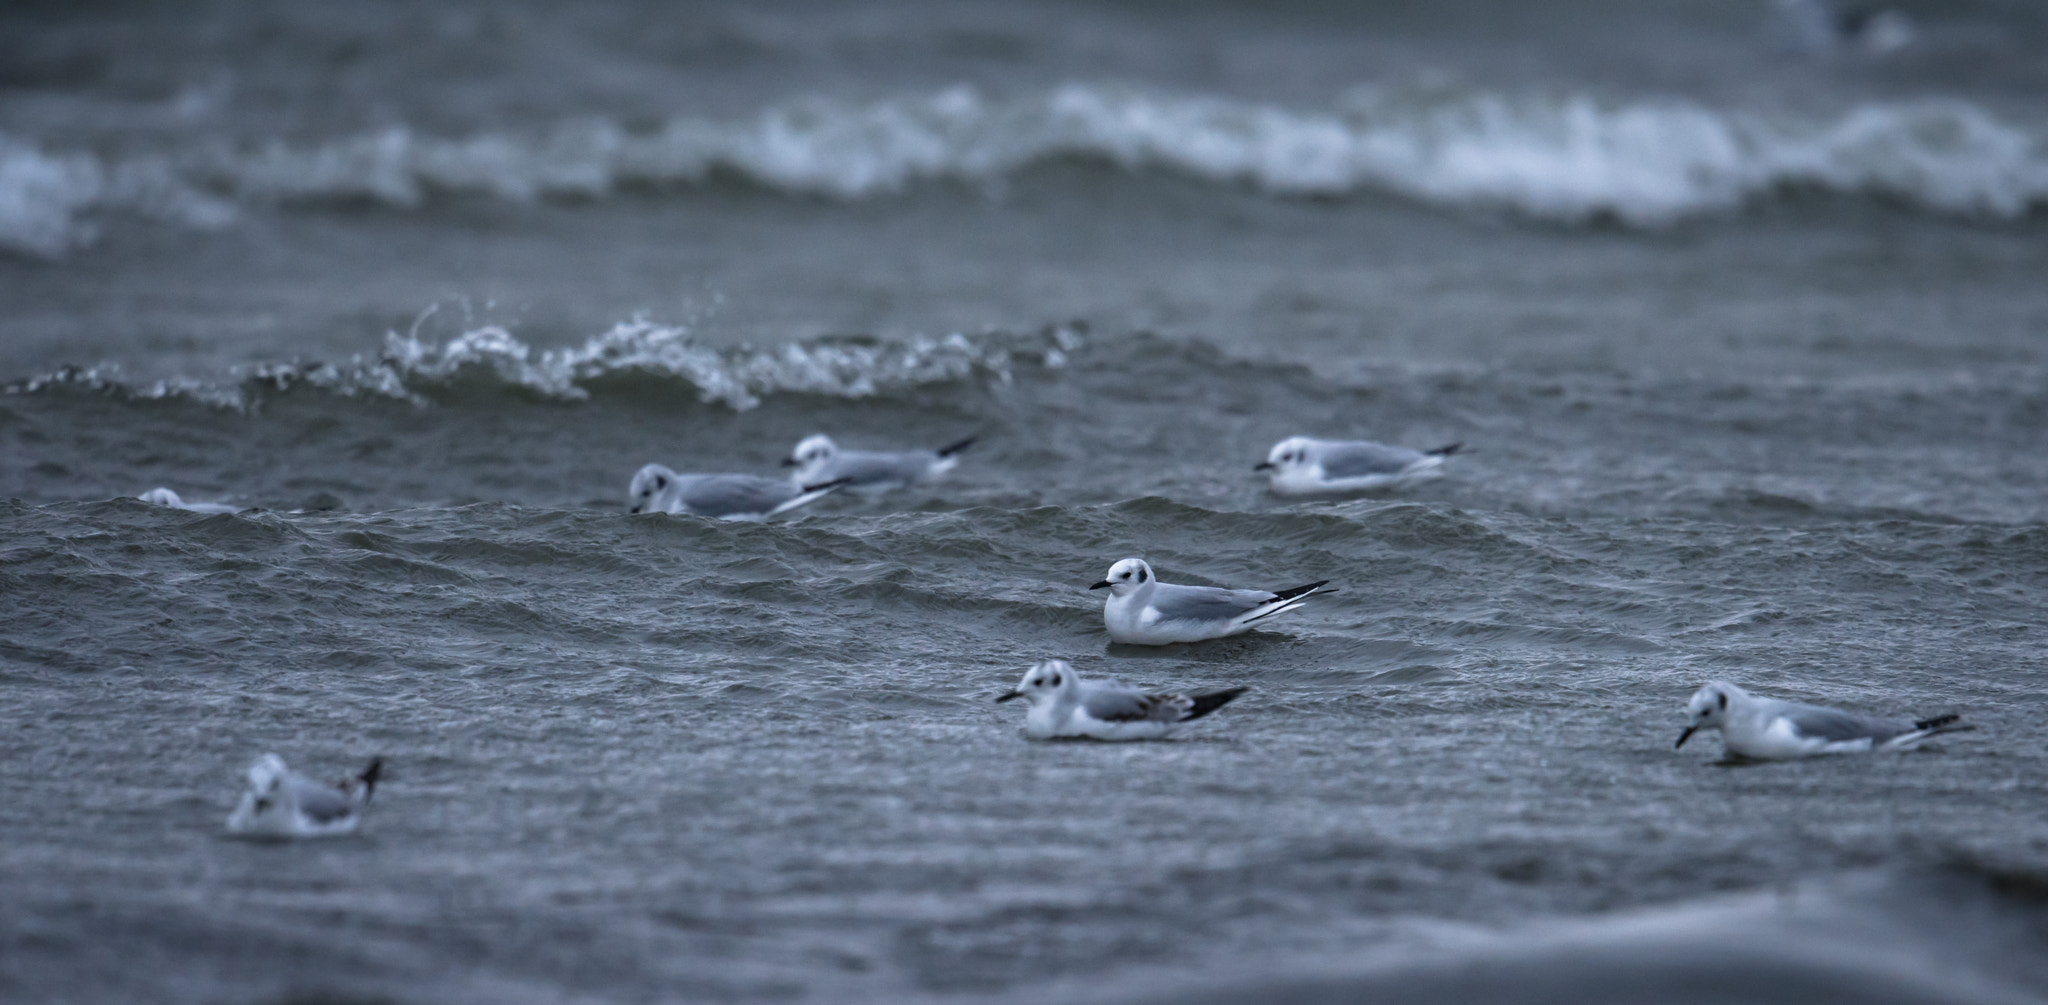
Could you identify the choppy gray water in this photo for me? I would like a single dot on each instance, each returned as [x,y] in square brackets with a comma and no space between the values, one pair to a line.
[1747,345]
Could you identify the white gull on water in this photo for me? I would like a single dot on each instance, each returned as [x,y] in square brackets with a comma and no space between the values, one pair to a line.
[1767,729]
[818,459]
[657,489]
[1302,465]
[282,803]
[1063,705]
[161,496]
[1141,610]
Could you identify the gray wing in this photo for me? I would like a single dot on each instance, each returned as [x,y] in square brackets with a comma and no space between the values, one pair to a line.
[1206,603]
[1360,459]
[722,495]
[1116,704]
[866,468]
[324,803]
[1835,725]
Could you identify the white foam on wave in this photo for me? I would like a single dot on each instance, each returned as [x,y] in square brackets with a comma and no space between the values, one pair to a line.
[739,378]
[41,197]
[48,200]
[415,370]
[1559,157]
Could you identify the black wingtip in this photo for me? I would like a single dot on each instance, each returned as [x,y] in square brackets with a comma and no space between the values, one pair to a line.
[1938,721]
[1446,451]
[953,448]
[827,486]
[1210,701]
[1298,591]
[371,775]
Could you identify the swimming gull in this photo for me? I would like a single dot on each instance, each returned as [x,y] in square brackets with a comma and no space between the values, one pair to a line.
[281,803]
[818,459]
[161,496]
[1302,465]
[1064,705]
[1767,729]
[657,489]
[1144,611]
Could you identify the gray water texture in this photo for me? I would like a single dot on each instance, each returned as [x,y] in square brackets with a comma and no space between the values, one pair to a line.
[1793,439]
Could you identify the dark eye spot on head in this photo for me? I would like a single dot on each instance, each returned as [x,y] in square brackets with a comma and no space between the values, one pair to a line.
[1141,575]
[1055,680]
[661,481]
[1723,696]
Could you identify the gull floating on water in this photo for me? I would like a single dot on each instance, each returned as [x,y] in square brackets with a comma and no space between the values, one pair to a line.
[1144,611]
[1302,465]
[1064,705]
[1820,27]
[818,459]
[656,489]
[1767,729]
[161,496]
[282,803]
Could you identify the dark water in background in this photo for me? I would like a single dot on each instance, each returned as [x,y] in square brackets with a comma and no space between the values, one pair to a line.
[1748,344]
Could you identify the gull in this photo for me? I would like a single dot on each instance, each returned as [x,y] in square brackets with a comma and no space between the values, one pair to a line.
[656,489]
[281,803]
[1301,465]
[1144,611]
[818,459]
[161,496]
[1767,729]
[1064,705]
[1818,27]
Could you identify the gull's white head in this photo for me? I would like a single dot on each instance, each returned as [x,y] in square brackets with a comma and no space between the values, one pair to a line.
[266,774]
[1295,453]
[266,809]
[1044,682]
[649,485]
[812,456]
[1709,708]
[1126,577]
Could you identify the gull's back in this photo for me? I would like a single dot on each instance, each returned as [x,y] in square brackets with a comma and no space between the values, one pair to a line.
[323,804]
[728,495]
[1362,459]
[1110,701]
[1836,726]
[1204,603]
[872,468]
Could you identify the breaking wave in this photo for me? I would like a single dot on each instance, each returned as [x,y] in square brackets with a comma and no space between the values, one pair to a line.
[420,372]
[1563,158]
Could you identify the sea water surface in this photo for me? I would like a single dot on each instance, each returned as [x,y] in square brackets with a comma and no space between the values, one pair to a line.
[1747,343]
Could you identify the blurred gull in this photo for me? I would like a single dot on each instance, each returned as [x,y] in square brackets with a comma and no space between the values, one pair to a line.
[282,803]
[1821,27]
[1302,465]
[1064,705]
[1144,611]
[656,489]
[818,459]
[1767,729]
[161,496]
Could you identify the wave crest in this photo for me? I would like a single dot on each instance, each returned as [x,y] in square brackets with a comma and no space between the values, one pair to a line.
[1566,158]
[739,378]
